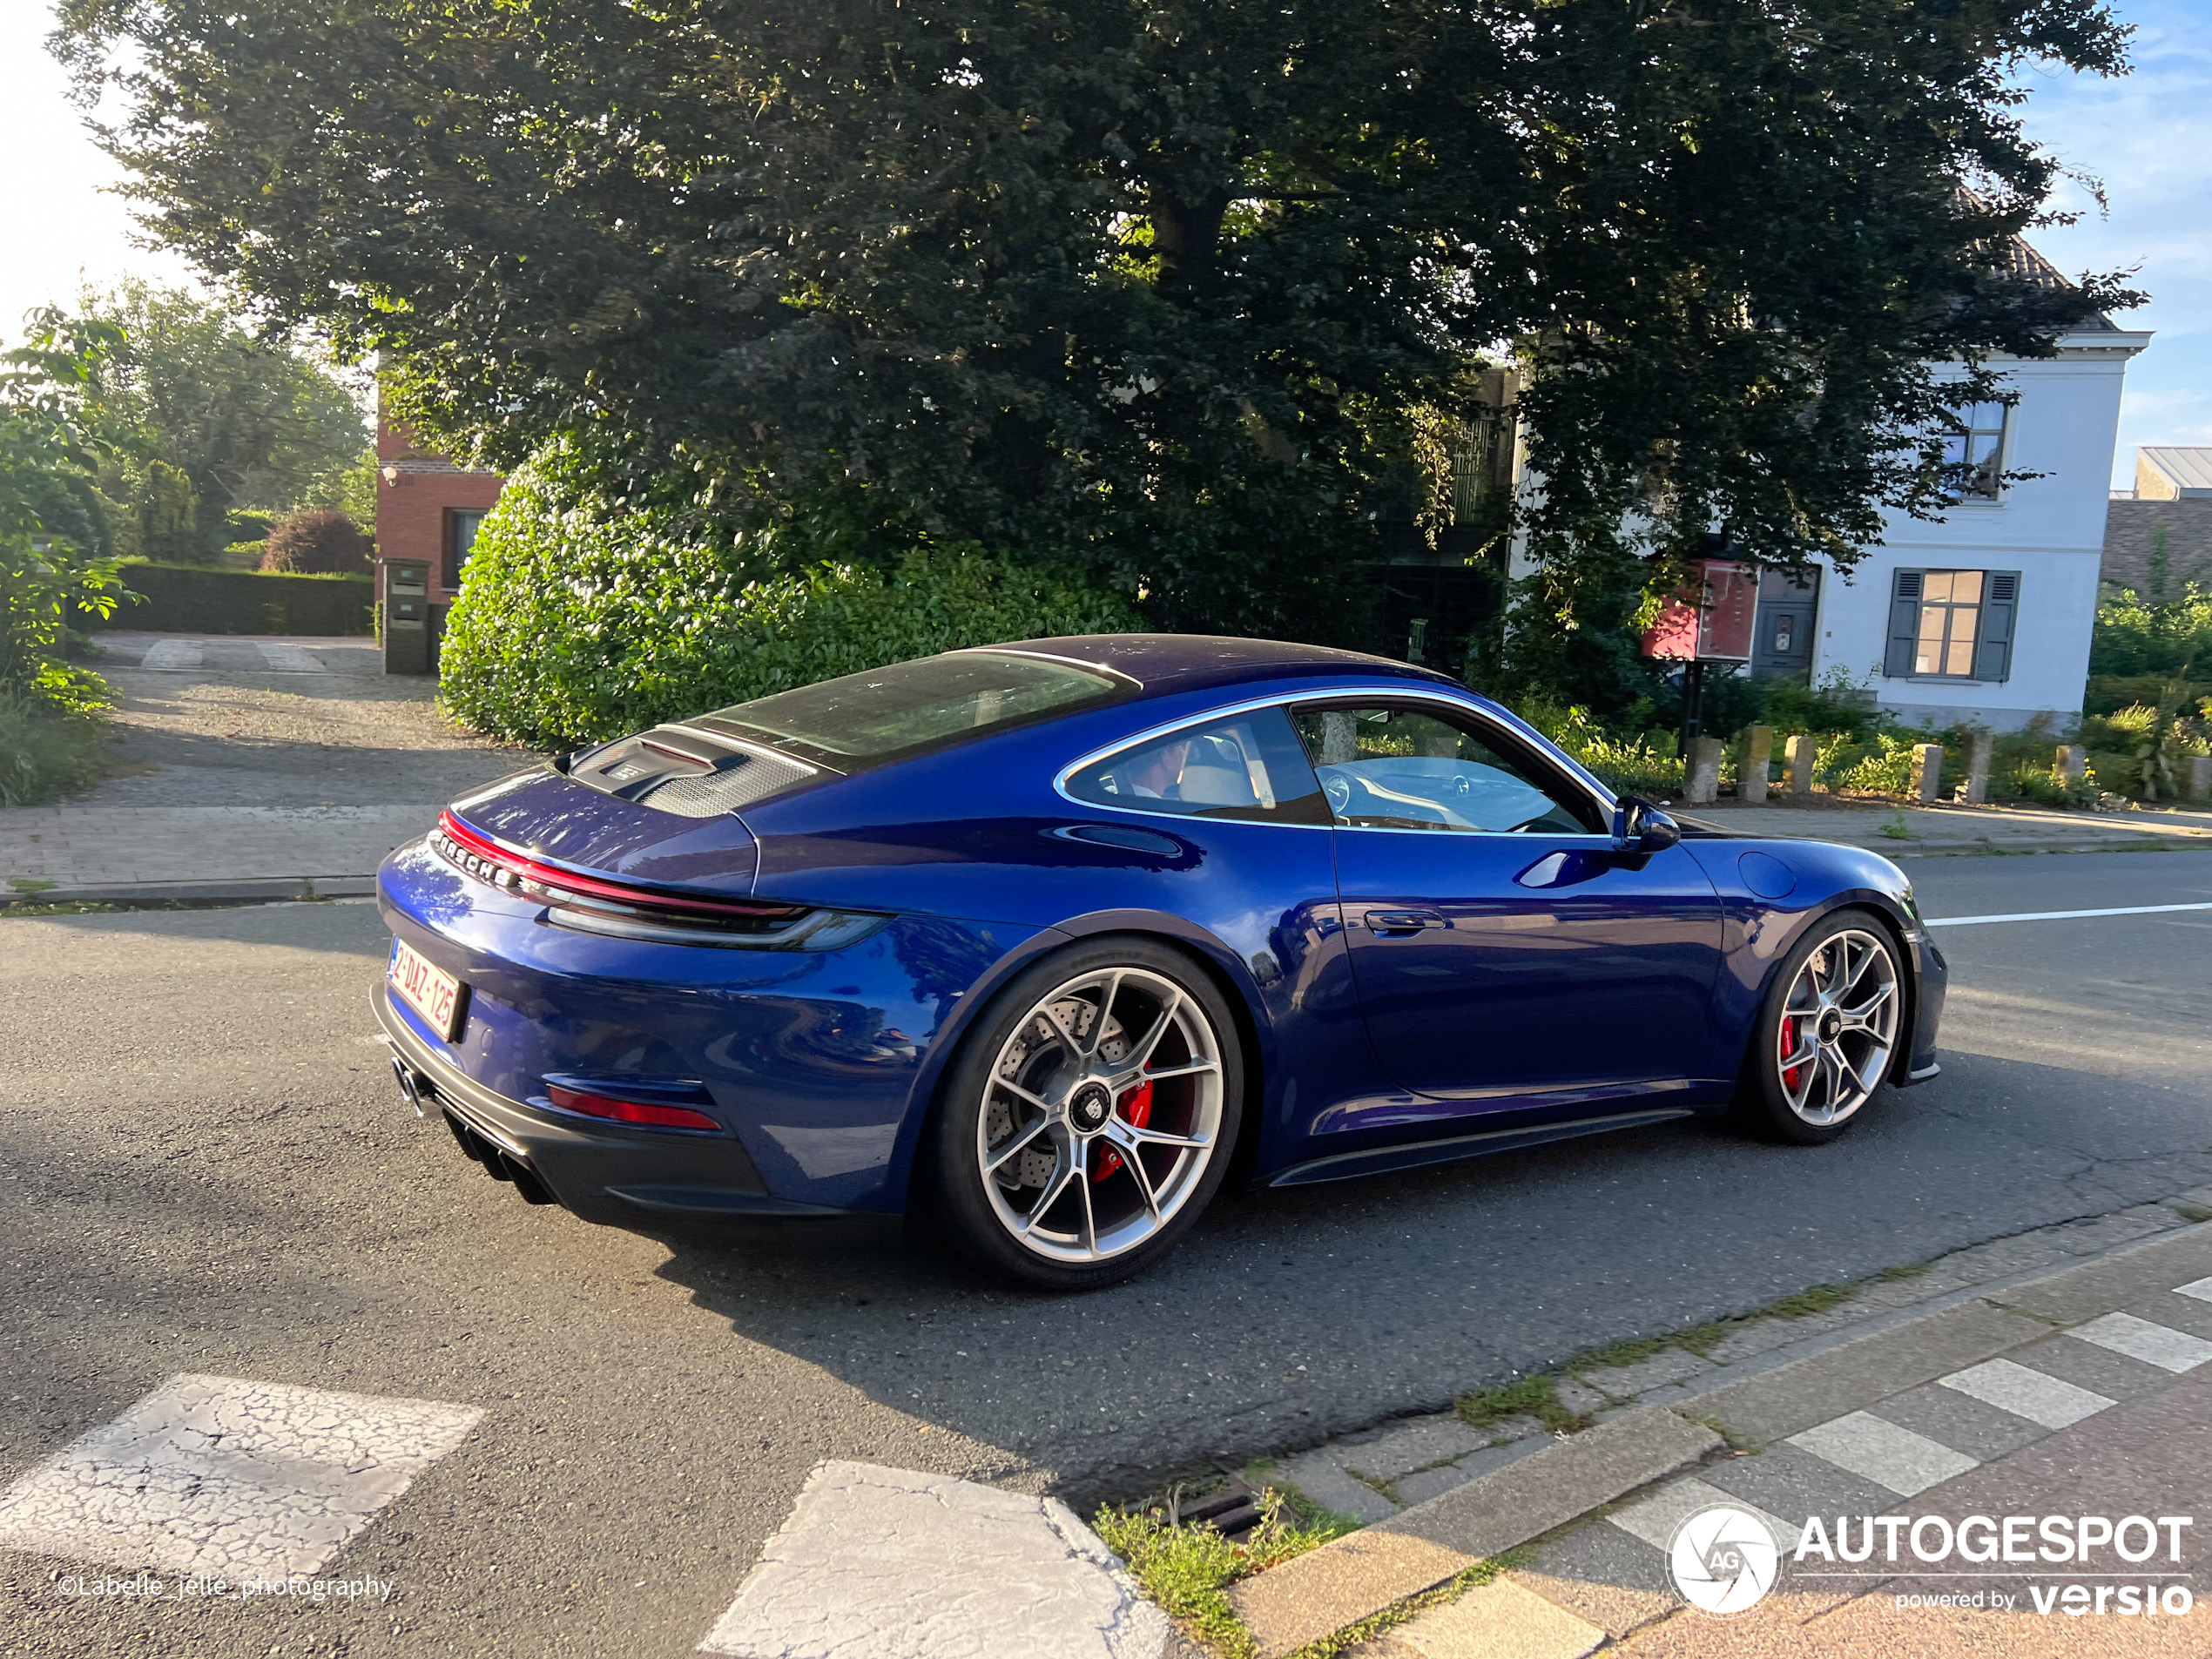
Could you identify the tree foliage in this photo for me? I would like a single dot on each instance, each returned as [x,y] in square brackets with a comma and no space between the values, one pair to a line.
[1173,288]
[213,418]
[51,439]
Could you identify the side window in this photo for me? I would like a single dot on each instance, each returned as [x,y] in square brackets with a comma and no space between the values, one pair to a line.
[1403,768]
[1251,767]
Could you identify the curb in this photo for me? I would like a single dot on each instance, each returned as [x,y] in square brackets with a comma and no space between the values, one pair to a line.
[285,887]
[1762,1401]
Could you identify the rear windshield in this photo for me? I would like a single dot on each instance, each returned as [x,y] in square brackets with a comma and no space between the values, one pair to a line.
[888,714]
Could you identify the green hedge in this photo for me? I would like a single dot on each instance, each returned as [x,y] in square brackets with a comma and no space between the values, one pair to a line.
[196,600]
[577,624]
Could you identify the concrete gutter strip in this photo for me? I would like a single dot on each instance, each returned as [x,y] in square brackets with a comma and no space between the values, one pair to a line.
[1792,1398]
[1529,1497]
[210,891]
[1320,1593]
[2075,1295]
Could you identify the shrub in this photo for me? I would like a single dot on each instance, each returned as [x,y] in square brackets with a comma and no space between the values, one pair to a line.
[1636,765]
[317,542]
[46,750]
[192,599]
[577,622]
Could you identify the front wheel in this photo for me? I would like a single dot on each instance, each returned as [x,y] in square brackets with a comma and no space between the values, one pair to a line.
[1092,1115]
[1827,1033]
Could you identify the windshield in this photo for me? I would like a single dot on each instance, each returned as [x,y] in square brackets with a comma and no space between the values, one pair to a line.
[886,713]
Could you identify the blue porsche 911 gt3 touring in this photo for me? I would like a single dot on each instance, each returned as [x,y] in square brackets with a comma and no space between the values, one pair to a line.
[1051,940]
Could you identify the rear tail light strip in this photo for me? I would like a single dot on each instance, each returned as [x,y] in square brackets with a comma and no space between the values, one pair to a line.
[592,904]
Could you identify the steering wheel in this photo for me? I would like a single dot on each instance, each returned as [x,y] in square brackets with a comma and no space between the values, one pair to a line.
[1339,789]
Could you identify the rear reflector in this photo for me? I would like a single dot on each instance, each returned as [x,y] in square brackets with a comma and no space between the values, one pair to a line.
[627,1111]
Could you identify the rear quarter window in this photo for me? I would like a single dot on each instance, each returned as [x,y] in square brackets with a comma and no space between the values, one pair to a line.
[1250,766]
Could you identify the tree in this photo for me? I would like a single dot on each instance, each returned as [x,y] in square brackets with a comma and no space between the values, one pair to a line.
[225,419]
[53,563]
[1183,290]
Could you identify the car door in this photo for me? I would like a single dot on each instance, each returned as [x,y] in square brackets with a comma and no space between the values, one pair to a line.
[1501,949]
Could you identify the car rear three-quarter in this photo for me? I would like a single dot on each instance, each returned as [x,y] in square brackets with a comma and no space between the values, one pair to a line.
[1051,937]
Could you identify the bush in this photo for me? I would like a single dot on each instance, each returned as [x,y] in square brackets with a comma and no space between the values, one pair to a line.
[192,599]
[46,750]
[317,542]
[1648,765]
[577,623]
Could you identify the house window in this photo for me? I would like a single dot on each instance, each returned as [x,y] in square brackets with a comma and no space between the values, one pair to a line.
[1952,625]
[1977,441]
[460,536]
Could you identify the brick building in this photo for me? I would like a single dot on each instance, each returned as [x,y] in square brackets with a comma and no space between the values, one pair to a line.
[428,509]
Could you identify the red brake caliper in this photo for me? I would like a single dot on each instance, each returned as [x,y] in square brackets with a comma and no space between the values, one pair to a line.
[1790,1040]
[1135,1108]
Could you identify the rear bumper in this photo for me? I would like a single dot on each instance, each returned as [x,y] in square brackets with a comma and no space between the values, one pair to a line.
[610,1175]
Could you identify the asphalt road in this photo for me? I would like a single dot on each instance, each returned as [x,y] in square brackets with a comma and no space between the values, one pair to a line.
[203,1168]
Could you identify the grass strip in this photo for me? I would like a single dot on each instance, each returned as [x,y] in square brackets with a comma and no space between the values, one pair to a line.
[1186,1571]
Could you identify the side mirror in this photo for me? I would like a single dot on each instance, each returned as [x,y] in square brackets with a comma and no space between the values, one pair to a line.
[1640,829]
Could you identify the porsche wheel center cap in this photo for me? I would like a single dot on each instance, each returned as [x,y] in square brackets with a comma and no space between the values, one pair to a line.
[1830,1025]
[1089,1108]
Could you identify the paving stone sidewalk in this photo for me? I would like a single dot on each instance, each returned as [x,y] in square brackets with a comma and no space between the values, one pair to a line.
[2015,1390]
[1897,832]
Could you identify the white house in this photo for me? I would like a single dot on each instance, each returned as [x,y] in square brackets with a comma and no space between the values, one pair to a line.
[1986,615]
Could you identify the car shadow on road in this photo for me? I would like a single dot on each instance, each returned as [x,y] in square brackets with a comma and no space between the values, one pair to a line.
[1289,1316]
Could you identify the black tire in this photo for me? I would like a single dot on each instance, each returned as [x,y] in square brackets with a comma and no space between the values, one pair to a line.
[1032,1101]
[1851,1040]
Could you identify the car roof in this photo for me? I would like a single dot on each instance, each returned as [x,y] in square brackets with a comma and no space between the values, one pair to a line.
[1162,664]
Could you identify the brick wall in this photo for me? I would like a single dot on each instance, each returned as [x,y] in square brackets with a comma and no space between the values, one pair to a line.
[415,491]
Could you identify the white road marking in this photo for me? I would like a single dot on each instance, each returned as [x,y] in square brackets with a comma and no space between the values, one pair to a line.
[223,1477]
[1883,1452]
[2051,1401]
[2200,1289]
[173,654]
[896,1564]
[290,659]
[1654,1518]
[2168,1349]
[2063,915]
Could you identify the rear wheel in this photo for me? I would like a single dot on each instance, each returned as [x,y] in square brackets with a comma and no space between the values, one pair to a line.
[1827,1033]
[1090,1116]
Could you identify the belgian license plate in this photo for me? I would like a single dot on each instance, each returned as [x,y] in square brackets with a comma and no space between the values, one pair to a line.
[430,991]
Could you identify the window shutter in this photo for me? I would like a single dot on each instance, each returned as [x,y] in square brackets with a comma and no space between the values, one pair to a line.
[2000,605]
[1905,623]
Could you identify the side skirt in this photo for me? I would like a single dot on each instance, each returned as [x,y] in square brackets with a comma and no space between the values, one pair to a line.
[1345,1166]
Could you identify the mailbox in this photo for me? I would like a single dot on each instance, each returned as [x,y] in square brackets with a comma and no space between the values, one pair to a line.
[407,617]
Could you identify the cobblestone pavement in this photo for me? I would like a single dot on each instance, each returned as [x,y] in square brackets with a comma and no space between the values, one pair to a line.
[209,721]
[291,762]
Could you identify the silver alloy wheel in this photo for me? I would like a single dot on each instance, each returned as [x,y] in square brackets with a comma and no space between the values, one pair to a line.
[1839,1027]
[1103,1109]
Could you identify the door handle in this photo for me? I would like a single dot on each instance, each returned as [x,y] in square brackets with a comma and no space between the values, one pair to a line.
[1397,923]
